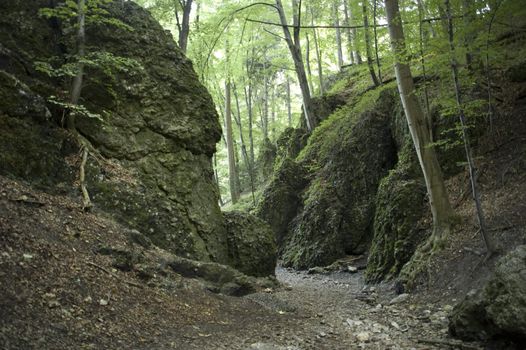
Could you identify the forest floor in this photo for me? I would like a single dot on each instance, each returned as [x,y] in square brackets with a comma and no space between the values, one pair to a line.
[57,292]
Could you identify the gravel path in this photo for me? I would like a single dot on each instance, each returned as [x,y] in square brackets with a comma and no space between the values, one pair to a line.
[336,311]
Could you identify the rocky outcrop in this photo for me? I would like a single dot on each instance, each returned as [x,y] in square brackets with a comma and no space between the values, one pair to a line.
[498,310]
[400,204]
[321,205]
[251,244]
[150,153]
[282,198]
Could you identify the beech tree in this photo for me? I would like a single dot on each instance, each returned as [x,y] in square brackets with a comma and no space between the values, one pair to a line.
[419,129]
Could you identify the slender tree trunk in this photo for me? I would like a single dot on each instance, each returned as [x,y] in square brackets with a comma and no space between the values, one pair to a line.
[272,122]
[295,50]
[470,17]
[424,70]
[264,116]
[438,196]
[307,62]
[185,26]
[336,17]
[244,152]
[348,32]
[356,51]
[232,174]
[375,12]
[197,15]
[318,53]
[490,246]
[76,87]
[368,44]
[216,178]
[250,112]
[289,109]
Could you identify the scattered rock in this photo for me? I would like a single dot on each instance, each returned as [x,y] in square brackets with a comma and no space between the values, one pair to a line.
[499,308]
[363,337]
[399,299]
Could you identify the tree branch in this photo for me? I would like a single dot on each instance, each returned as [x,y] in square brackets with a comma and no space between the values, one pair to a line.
[337,27]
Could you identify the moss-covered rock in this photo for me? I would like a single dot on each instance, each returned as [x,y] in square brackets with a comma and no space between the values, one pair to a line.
[347,155]
[400,203]
[499,309]
[251,244]
[281,199]
[265,161]
[150,158]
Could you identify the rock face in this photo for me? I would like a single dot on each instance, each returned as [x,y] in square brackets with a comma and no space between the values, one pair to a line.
[400,203]
[150,166]
[321,205]
[251,244]
[499,309]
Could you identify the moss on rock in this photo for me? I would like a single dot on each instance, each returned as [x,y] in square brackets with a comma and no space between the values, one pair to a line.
[281,199]
[400,203]
[251,244]
[499,309]
[347,155]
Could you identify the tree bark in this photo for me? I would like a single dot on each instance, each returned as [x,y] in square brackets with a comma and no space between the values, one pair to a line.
[295,50]
[490,246]
[318,55]
[438,196]
[336,18]
[289,109]
[375,12]
[368,44]
[232,174]
[76,87]
[348,32]
[307,61]
[244,152]
[185,26]
[356,52]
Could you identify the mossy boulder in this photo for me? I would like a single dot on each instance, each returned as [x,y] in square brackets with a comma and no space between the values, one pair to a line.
[400,204]
[498,310]
[251,244]
[281,199]
[265,161]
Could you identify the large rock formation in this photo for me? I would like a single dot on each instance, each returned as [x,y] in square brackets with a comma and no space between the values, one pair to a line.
[329,191]
[499,309]
[150,163]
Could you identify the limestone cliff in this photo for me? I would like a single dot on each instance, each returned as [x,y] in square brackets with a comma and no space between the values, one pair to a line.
[150,166]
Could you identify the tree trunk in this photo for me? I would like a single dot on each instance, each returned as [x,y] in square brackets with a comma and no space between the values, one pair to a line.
[307,61]
[250,112]
[438,196]
[244,152]
[336,18]
[490,246]
[289,109]
[368,43]
[232,174]
[76,87]
[356,52]
[216,178]
[318,53]
[295,50]
[375,8]
[348,32]
[264,115]
[185,26]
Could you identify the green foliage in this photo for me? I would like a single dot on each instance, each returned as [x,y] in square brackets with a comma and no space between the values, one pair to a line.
[95,13]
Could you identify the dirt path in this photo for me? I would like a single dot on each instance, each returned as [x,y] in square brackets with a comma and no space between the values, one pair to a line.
[334,311]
